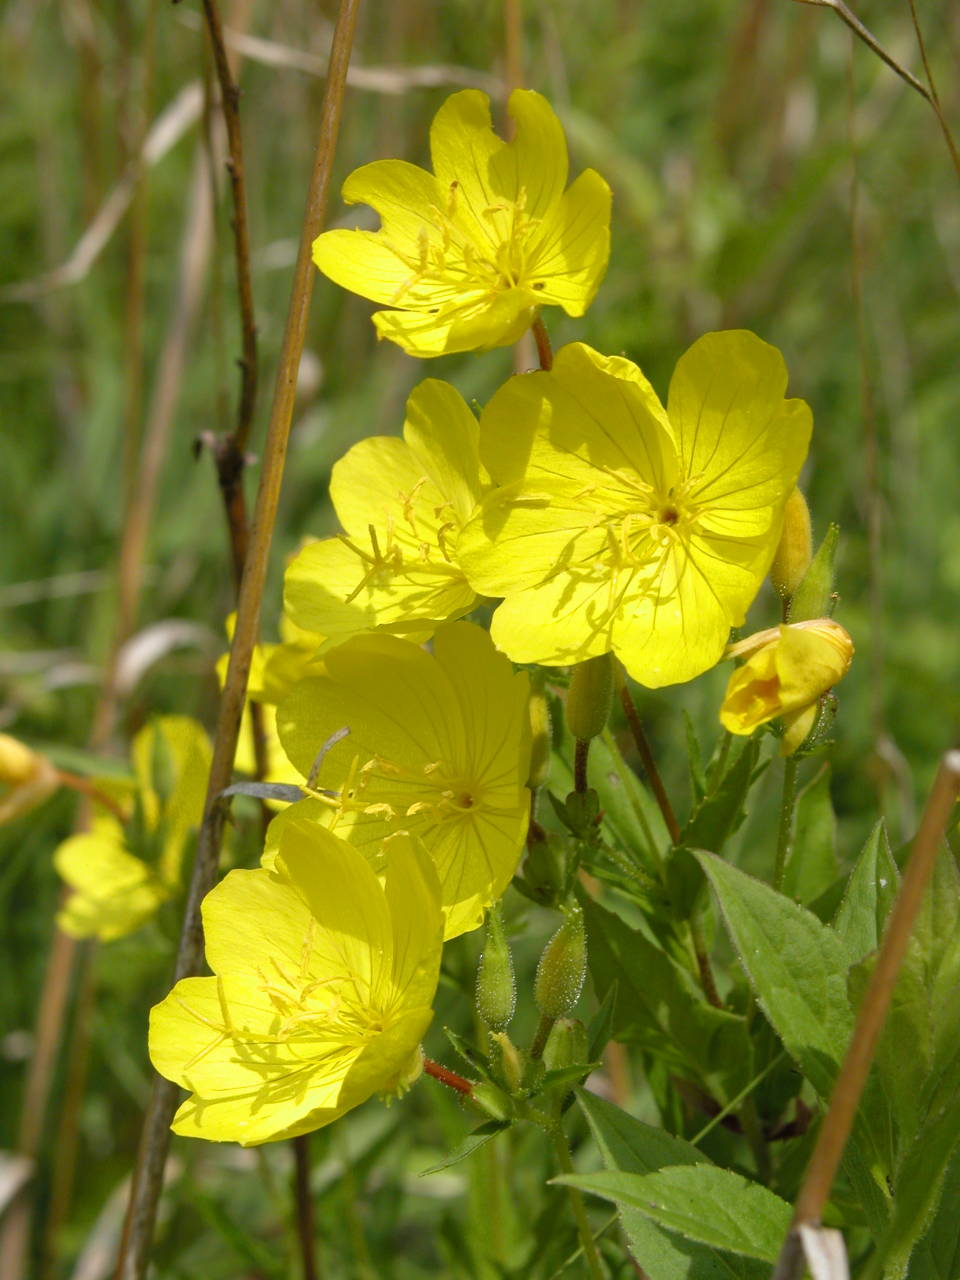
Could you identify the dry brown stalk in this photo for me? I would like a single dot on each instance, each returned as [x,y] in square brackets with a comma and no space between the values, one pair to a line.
[838,1122]
[155,1140]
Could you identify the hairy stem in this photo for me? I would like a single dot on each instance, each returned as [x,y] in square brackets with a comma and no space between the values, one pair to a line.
[788,802]
[450,1078]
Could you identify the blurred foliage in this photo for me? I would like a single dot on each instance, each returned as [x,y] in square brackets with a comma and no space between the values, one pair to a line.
[767,173]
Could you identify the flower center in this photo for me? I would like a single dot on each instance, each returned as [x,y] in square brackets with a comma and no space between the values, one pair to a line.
[386,789]
[455,252]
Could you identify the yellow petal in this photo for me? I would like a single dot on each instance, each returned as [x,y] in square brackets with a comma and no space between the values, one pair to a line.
[473,320]
[438,746]
[330,585]
[488,173]
[113,892]
[570,258]
[444,437]
[736,433]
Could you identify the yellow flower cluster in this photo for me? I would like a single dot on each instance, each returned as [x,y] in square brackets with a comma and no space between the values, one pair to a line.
[594,518]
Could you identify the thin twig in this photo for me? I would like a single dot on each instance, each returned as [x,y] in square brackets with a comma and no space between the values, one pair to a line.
[838,1122]
[392,81]
[230,105]
[648,762]
[148,1176]
[934,96]
[872,43]
[230,451]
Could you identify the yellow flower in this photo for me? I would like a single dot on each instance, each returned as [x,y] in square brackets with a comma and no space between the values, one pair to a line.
[324,978]
[788,669]
[402,504]
[621,526]
[438,745]
[274,670]
[26,778]
[116,892]
[467,254]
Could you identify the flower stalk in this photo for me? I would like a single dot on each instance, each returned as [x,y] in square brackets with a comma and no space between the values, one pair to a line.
[148,1176]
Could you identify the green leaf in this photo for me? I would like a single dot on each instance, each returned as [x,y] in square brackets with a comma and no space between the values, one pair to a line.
[705,1204]
[575,1072]
[937,1256]
[471,1056]
[661,1008]
[812,867]
[698,780]
[796,966]
[474,1140]
[869,895]
[630,1145]
[600,1027]
[798,970]
[630,813]
[722,811]
[919,1187]
[634,1147]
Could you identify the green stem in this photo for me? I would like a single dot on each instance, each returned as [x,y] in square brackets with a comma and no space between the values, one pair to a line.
[542,1036]
[721,766]
[787,805]
[584,1230]
[707,980]
[753,1132]
[581,752]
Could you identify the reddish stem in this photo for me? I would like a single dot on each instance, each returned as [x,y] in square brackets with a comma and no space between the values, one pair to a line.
[542,339]
[447,1077]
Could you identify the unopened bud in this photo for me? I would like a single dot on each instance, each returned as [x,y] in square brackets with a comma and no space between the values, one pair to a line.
[496,982]
[511,1064]
[18,763]
[562,968]
[813,598]
[26,778]
[541,739]
[795,550]
[491,1100]
[566,1045]
[590,696]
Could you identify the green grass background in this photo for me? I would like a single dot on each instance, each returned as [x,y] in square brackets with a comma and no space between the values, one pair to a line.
[767,172]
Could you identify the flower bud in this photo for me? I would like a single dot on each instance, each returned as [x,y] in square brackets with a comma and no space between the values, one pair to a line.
[511,1064]
[566,1045]
[590,696]
[786,672]
[493,1102]
[26,778]
[795,549]
[541,739]
[562,968]
[496,982]
[813,598]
